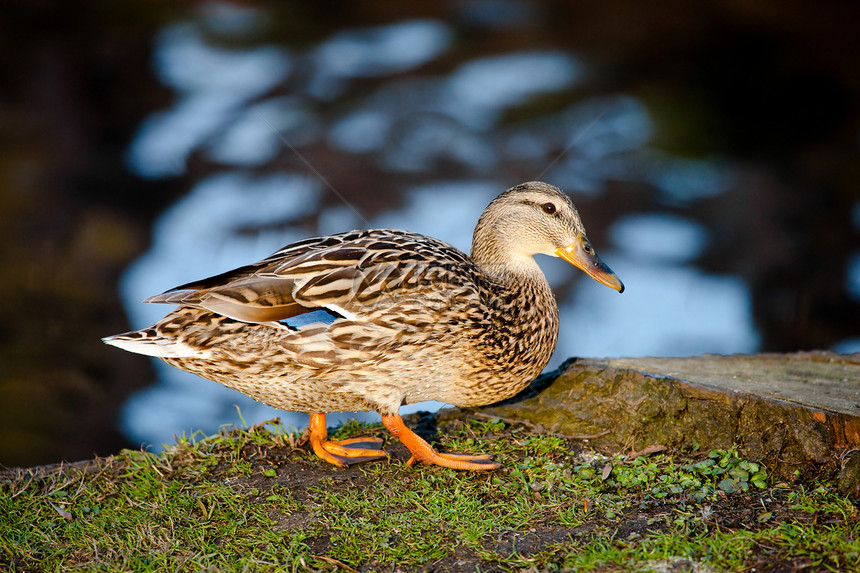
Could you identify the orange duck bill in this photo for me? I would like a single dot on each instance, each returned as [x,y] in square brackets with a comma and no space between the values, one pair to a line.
[583,256]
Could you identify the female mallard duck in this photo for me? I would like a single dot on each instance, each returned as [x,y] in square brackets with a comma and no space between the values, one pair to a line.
[370,320]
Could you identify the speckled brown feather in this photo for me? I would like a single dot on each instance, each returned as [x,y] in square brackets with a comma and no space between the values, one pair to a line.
[418,319]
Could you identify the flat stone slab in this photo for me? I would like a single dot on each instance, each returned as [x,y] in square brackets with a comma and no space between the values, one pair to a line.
[822,380]
[790,411]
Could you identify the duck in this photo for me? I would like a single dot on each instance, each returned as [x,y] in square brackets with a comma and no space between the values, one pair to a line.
[376,319]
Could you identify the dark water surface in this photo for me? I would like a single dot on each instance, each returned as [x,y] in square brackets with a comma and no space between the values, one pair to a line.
[712,153]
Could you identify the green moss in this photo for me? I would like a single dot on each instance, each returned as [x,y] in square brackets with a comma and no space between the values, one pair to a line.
[252,500]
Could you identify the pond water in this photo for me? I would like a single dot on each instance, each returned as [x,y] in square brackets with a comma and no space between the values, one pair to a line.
[417,124]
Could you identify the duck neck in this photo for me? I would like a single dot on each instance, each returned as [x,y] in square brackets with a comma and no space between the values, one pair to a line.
[523,317]
[503,261]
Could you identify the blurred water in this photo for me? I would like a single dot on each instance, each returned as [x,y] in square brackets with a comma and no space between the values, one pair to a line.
[852,285]
[404,107]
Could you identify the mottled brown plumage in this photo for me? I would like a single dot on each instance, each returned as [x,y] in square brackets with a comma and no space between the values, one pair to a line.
[405,318]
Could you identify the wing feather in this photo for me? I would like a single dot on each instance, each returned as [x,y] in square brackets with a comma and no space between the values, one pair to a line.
[345,273]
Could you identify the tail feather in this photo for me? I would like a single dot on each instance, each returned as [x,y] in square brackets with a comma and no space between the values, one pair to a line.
[150,343]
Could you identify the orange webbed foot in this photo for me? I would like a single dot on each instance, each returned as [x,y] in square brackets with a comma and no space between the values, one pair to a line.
[342,453]
[422,452]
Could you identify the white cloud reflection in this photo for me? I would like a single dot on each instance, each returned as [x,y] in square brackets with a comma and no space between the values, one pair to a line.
[478,91]
[211,84]
[375,52]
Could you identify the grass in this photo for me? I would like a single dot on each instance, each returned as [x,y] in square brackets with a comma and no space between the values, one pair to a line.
[253,500]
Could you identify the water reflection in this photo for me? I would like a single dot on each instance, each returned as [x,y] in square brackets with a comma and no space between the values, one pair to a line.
[600,140]
[374,52]
[450,142]
[853,277]
[479,91]
[202,233]
[659,238]
[683,181]
[212,85]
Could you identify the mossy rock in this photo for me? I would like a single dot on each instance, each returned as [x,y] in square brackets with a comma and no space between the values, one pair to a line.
[790,411]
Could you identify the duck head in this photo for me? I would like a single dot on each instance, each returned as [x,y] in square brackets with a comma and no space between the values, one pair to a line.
[536,218]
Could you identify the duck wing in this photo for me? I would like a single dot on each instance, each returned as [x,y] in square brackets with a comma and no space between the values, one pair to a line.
[345,274]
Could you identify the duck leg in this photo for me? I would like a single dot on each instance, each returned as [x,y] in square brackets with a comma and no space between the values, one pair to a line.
[422,452]
[342,452]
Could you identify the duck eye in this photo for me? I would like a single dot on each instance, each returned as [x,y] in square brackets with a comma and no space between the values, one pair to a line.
[549,208]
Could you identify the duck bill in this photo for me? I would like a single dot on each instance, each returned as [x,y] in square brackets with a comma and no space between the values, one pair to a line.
[583,256]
